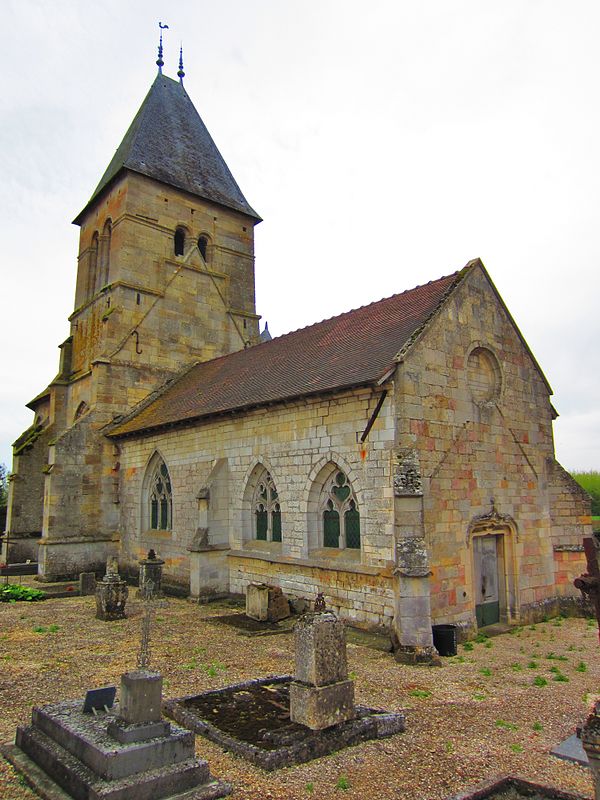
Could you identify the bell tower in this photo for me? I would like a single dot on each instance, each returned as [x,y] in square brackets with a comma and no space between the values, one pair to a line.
[165,278]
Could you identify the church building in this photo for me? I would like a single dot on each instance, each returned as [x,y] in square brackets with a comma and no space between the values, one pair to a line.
[398,458]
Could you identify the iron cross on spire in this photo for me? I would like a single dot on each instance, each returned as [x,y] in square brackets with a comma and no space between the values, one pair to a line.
[151,603]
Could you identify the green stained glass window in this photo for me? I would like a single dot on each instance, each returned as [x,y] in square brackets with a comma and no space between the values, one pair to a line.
[352,527]
[276,523]
[160,499]
[267,511]
[262,522]
[331,527]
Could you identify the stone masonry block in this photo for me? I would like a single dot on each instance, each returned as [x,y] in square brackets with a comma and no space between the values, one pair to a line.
[320,707]
[141,694]
[320,644]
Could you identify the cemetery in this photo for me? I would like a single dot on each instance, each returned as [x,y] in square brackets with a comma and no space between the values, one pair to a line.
[120,691]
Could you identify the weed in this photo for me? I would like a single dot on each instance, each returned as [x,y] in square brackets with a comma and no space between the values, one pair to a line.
[468,646]
[545,618]
[516,667]
[310,787]
[486,671]
[213,669]
[540,681]
[422,693]
[352,675]
[40,629]
[53,628]
[459,659]
[591,623]
[199,651]
[560,677]
[533,665]
[191,664]
[507,726]
[342,783]
[479,697]
[488,644]
[4,636]
[10,593]
[570,648]
[481,637]
[21,780]
[449,747]
[516,748]
[581,667]
[532,627]
[7,657]
[537,726]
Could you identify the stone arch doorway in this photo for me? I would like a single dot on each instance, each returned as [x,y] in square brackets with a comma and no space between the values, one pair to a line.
[494,571]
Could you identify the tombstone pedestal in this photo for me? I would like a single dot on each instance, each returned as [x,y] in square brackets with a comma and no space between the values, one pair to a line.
[321,694]
[111,595]
[151,569]
[266,603]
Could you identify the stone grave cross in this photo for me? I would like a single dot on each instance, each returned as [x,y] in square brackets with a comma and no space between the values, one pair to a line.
[589,585]
[151,603]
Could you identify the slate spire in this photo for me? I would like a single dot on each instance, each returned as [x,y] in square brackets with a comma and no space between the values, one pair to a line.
[168,141]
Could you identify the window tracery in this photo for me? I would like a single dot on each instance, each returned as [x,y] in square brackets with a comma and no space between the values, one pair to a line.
[340,515]
[266,510]
[160,498]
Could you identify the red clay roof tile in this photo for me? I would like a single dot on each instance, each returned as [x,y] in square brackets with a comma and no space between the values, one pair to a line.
[355,348]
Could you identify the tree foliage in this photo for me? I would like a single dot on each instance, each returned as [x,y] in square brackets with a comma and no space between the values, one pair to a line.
[590,481]
[3,486]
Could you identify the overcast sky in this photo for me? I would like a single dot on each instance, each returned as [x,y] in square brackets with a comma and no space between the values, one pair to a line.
[384,144]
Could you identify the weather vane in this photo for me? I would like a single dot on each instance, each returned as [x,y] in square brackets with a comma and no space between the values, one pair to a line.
[159,60]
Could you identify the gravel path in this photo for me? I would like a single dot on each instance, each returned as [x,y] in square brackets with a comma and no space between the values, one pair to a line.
[477,716]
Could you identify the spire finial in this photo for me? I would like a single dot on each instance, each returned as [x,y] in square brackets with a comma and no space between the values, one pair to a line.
[159,60]
[181,73]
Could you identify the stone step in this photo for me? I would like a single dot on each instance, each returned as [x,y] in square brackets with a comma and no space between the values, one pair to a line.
[186,780]
[86,738]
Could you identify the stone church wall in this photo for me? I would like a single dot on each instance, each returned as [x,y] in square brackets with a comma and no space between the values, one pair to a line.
[481,431]
[294,442]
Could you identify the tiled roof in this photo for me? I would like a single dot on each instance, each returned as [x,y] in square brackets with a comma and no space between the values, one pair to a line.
[356,348]
[168,141]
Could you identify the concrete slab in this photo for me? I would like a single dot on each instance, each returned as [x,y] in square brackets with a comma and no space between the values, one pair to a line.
[571,749]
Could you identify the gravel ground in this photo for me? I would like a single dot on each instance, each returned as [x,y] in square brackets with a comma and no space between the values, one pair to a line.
[477,716]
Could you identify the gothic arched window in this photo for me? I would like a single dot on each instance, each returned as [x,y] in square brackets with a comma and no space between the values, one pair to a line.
[179,241]
[160,499]
[266,510]
[105,253]
[203,247]
[92,266]
[340,515]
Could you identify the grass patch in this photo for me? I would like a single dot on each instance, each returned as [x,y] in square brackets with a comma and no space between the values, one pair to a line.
[468,646]
[516,748]
[507,726]
[539,680]
[581,667]
[342,783]
[537,726]
[485,671]
[422,693]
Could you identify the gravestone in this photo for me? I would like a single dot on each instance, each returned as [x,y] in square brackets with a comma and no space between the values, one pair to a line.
[266,603]
[100,750]
[151,569]
[321,694]
[87,583]
[111,594]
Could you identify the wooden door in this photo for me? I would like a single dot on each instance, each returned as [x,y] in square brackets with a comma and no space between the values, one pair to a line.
[487,600]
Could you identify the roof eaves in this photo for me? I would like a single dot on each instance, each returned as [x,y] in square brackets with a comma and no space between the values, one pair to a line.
[234,410]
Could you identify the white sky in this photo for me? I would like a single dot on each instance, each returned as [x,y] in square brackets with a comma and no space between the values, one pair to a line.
[385,144]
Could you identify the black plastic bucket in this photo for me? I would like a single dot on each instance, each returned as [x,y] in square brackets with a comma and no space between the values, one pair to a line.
[444,639]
